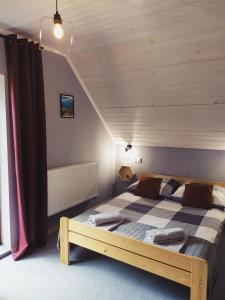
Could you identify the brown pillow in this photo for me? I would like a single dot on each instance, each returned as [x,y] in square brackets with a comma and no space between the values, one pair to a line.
[198,195]
[149,187]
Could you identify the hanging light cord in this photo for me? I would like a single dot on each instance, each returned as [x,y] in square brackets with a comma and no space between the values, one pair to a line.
[57,17]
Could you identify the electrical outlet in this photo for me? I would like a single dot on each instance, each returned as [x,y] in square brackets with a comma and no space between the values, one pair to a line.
[138,160]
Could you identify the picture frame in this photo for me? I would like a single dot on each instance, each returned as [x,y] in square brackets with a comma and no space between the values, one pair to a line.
[66,106]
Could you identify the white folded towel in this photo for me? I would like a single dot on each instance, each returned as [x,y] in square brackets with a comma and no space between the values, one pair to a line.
[104,218]
[164,236]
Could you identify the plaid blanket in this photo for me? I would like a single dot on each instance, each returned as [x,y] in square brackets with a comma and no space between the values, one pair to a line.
[142,214]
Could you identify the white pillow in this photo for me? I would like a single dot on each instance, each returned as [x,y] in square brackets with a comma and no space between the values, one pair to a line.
[132,188]
[219,188]
[163,184]
[218,198]
[179,192]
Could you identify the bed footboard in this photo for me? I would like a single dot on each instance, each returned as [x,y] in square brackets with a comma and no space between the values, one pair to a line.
[199,279]
[183,269]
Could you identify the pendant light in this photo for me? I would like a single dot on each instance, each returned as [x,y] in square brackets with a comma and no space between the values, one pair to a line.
[58,30]
[56,33]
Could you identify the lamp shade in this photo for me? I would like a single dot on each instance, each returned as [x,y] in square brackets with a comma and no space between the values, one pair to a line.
[126,173]
[58,36]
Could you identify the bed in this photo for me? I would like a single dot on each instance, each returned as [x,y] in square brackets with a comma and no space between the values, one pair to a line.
[189,268]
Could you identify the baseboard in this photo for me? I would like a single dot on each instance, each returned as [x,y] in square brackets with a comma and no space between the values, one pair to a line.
[4,251]
[53,230]
[53,221]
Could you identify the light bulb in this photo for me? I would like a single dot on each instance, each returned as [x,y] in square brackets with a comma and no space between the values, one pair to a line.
[58,31]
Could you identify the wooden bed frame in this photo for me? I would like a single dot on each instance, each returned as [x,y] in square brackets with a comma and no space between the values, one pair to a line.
[186,270]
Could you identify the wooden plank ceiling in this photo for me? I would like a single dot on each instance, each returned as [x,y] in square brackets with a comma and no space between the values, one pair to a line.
[155,68]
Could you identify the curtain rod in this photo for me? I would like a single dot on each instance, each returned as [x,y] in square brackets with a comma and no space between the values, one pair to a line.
[3,36]
[6,36]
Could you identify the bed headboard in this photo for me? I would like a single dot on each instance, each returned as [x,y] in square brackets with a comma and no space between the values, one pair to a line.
[186,179]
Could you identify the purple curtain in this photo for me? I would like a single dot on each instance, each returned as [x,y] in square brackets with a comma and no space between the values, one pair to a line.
[27,111]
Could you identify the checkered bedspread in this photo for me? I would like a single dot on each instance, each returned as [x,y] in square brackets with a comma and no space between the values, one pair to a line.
[145,213]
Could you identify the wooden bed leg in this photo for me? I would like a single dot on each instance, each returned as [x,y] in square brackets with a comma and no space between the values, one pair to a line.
[64,243]
[199,279]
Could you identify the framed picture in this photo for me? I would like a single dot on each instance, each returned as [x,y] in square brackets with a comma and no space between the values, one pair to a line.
[66,106]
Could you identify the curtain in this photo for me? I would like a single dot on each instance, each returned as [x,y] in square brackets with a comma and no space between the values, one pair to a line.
[28,126]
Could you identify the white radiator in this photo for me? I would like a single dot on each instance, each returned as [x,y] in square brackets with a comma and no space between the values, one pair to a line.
[71,185]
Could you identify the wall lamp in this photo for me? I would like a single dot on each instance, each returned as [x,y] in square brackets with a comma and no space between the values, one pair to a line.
[128,147]
[131,155]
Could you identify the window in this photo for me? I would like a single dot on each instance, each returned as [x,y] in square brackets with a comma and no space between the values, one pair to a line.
[4,179]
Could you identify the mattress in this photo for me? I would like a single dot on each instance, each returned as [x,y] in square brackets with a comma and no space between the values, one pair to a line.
[203,227]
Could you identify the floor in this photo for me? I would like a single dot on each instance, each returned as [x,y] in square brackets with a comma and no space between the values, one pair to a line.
[42,276]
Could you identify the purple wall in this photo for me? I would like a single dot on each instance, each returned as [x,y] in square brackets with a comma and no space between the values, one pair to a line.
[202,164]
[82,139]
[205,164]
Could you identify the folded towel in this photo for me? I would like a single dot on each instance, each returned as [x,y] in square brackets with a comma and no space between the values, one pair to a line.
[104,218]
[167,235]
[177,246]
[169,241]
[108,226]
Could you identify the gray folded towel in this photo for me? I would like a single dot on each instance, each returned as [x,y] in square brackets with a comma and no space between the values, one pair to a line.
[165,236]
[176,246]
[104,218]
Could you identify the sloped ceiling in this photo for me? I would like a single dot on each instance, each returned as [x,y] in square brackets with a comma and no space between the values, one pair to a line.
[155,68]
